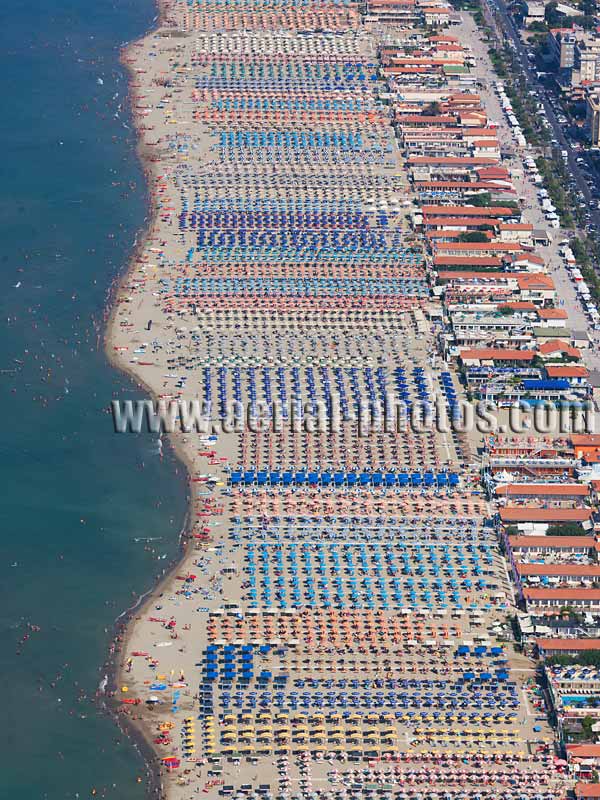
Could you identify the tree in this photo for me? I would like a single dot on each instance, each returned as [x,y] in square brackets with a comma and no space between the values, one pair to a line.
[537,361]
[569,613]
[553,16]
[566,529]
[587,723]
[432,109]
[538,27]
[473,236]
[588,658]
[482,200]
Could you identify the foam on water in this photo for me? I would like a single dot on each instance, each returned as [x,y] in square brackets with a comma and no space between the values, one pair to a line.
[76,496]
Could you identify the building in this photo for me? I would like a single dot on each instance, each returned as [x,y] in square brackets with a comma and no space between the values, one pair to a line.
[552,317]
[583,760]
[576,375]
[517,515]
[587,447]
[536,12]
[436,15]
[592,118]
[496,356]
[587,791]
[559,626]
[563,549]
[393,11]
[580,339]
[587,59]
[565,647]
[531,458]
[477,329]
[559,575]
[574,692]
[547,601]
[547,491]
[561,43]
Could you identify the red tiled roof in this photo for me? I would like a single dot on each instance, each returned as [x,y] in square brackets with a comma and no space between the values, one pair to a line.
[457,221]
[583,750]
[520,514]
[424,61]
[565,570]
[426,120]
[464,97]
[528,258]
[502,247]
[451,160]
[465,186]
[469,211]
[515,226]
[487,277]
[446,234]
[586,439]
[497,354]
[567,372]
[534,280]
[552,313]
[493,173]
[519,305]
[543,489]
[473,261]
[534,542]
[569,644]
[405,70]
[558,346]
[562,594]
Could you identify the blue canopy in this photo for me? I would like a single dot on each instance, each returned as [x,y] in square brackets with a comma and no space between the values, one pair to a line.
[547,384]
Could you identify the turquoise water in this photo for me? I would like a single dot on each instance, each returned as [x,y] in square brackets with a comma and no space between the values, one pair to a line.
[579,700]
[76,495]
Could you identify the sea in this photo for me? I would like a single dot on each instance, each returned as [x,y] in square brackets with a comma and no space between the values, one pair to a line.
[88,517]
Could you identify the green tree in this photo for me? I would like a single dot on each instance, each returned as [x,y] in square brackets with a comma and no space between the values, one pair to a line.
[473,236]
[566,529]
[482,200]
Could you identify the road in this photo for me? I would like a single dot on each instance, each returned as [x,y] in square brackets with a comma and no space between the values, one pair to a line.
[526,190]
[511,32]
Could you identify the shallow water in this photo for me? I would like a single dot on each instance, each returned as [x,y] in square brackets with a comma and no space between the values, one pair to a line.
[76,495]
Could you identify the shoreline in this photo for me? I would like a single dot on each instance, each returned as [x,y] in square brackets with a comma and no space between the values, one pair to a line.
[124,625]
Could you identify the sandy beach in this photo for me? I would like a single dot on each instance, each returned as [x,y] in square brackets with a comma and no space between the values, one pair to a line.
[315,637]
